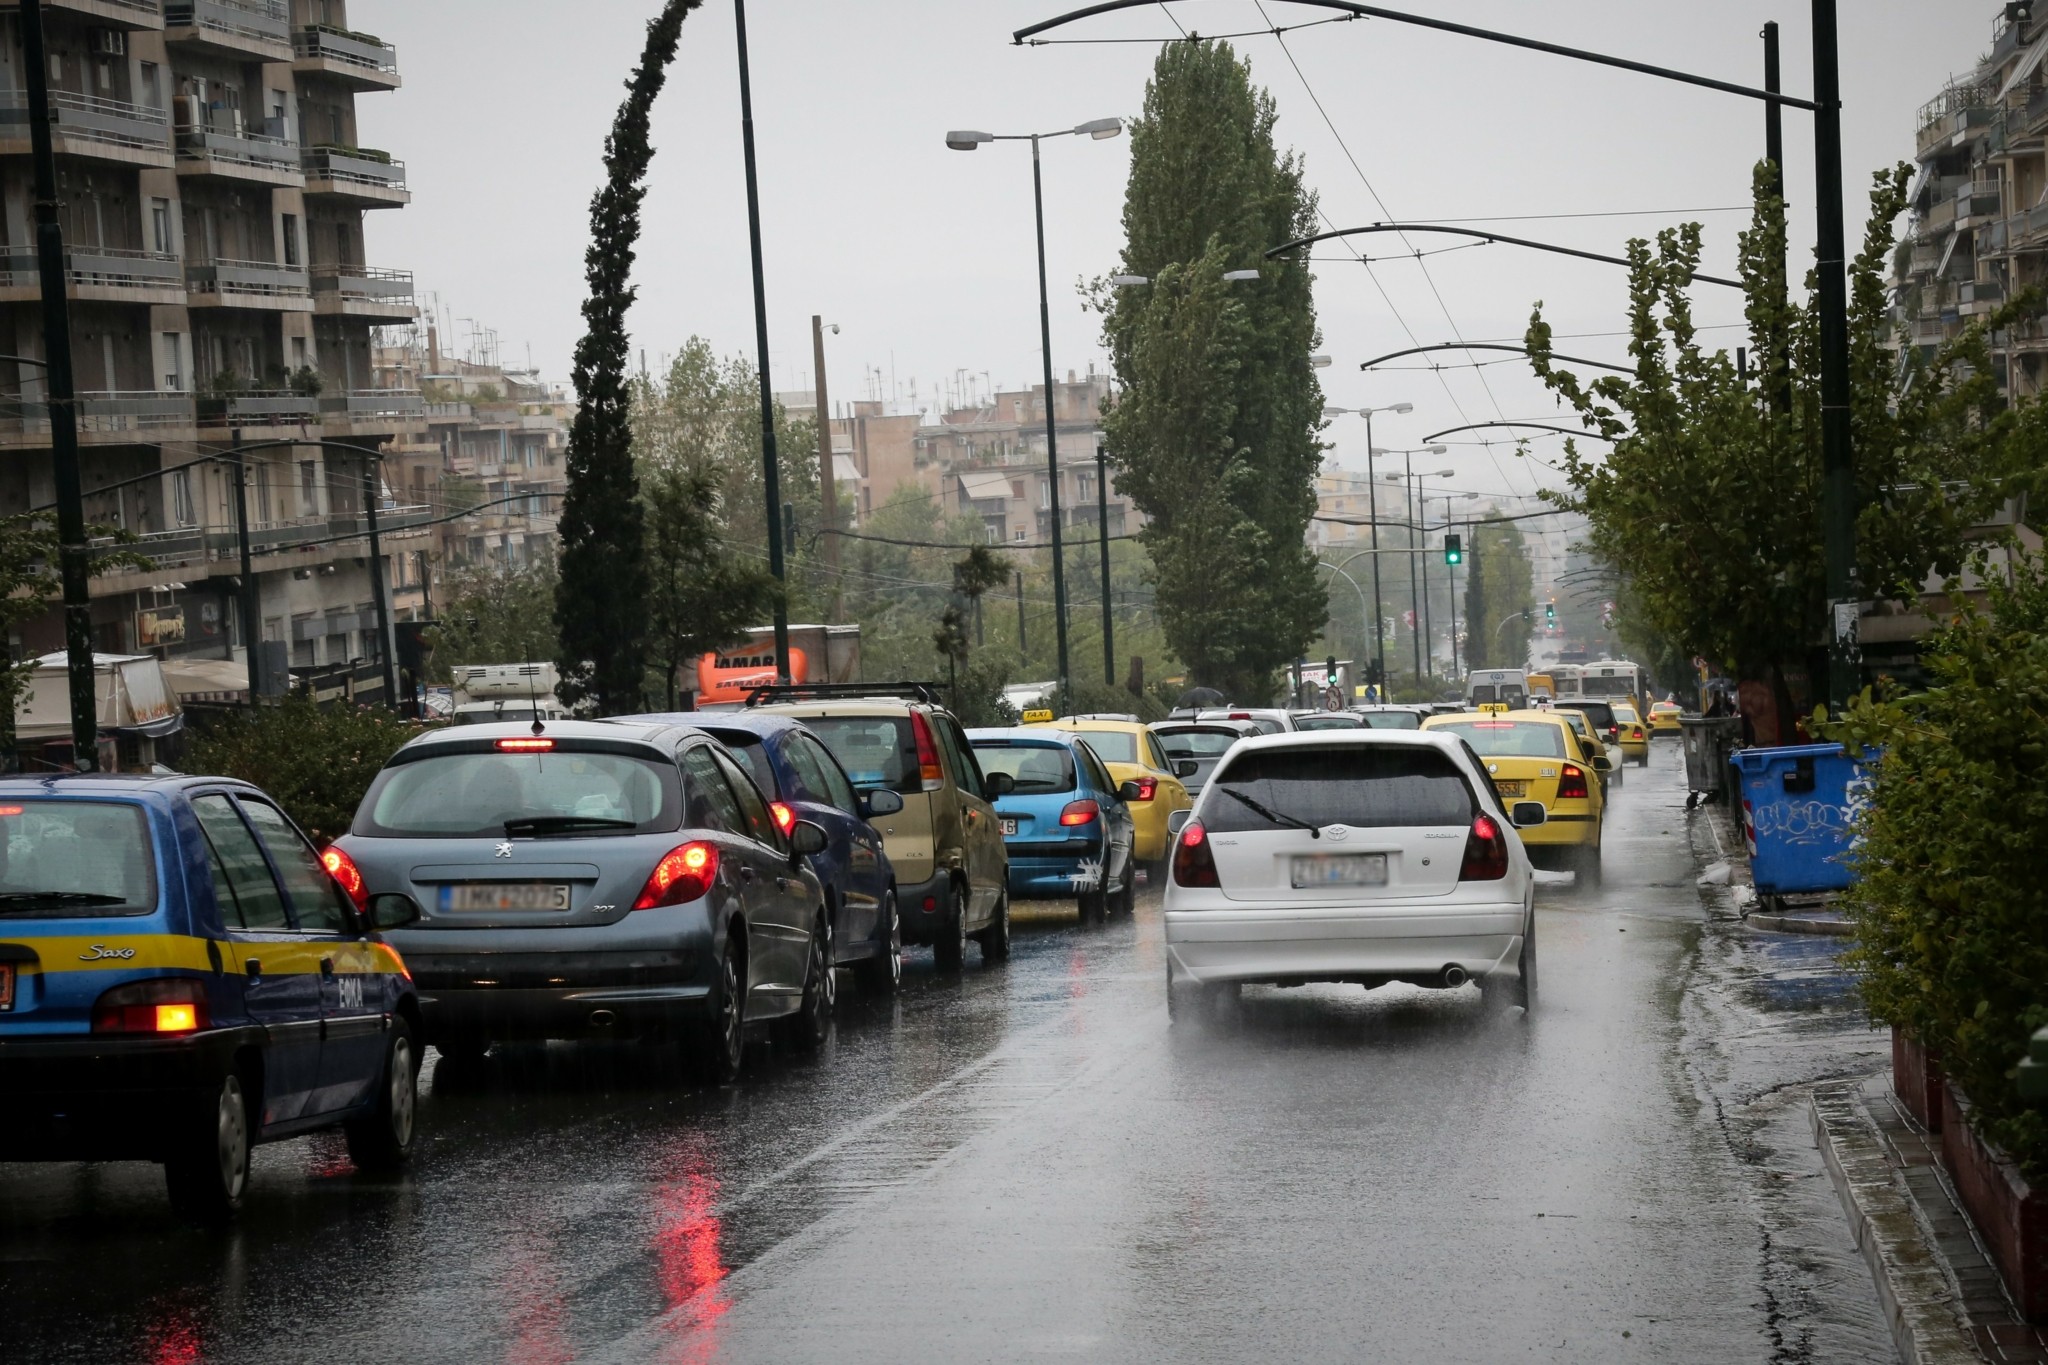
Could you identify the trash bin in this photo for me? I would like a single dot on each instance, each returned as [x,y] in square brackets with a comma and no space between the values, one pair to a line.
[1708,741]
[1799,808]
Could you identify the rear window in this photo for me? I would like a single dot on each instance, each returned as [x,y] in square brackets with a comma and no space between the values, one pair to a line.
[1625,715]
[1598,712]
[1486,694]
[1112,746]
[876,751]
[1392,720]
[1329,722]
[472,795]
[1039,769]
[1509,738]
[1359,785]
[1196,744]
[74,860]
[752,754]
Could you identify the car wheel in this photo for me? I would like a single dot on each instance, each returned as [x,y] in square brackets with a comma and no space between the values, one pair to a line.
[805,1030]
[883,973]
[951,949]
[1094,906]
[719,1045]
[1126,902]
[208,1172]
[380,1139]
[995,940]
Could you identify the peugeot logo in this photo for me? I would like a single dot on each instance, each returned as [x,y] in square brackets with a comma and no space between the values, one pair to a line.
[504,850]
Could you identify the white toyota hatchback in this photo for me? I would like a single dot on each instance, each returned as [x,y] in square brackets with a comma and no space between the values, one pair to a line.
[1364,856]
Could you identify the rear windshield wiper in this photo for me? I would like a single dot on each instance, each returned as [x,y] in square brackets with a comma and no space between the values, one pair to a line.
[1288,821]
[562,824]
[30,900]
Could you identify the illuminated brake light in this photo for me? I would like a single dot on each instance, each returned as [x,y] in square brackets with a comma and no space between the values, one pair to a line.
[1240,715]
[525,746]
[683,876]
[1148,787]
[174,1004]
[1493,725]
[177,1018]
[1079,813]
[1571,783]
[1486,852]
[10,810]
[785,818]
[1194,864]
[928,769]
[346,874]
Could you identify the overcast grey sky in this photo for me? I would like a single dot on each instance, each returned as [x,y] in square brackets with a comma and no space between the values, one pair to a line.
[923,256]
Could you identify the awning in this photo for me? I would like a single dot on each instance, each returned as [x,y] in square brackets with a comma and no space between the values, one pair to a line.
[985,484]
[2026,68]
[205,677]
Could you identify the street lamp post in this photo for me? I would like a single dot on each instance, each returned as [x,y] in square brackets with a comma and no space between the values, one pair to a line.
[1451,570]
[771,476]
[1406,480]
[1379,629]
[967,141]
[1419,536]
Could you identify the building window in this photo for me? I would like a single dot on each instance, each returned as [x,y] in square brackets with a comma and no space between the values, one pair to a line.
[1018,536]
[174,373]
[309,489]
[152,90]
[160,225]
[291,239]
[181,497]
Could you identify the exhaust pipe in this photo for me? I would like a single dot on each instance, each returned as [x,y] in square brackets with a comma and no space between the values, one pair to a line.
[605,1018]
[1454,975]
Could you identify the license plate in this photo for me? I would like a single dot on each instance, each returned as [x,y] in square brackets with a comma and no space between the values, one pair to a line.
[1511,786]
[505,896]
[6,985]
[1009,824]
[1341,869]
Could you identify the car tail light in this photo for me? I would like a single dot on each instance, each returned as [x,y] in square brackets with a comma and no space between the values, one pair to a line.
[346,874]
[684,875]
[928,768]
[1571,783]
[1148,787]
[1079,813]
[1240,715]
[1486,852]
[1193,862]
[166,1005]
[525,746]
[785,818]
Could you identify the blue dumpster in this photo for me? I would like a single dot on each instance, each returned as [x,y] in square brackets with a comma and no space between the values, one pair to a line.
[1799,807]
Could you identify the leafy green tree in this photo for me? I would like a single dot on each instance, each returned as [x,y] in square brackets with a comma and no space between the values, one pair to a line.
[1710,497]
[1214,435]
[316,762]
[493,613]
[601,608]
[1499,597]
[702,596]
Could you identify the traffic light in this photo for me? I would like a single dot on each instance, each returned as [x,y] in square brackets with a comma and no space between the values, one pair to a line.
[1454,549]
[1330,676]
[1550,615]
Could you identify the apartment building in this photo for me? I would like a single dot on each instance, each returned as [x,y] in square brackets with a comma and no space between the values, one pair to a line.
[1344,512]
[214,193]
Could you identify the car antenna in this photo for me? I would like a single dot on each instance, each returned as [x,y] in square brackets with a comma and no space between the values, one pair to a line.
[533,700]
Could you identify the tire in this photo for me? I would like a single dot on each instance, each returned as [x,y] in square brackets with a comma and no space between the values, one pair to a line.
[883,973]
[1094,906]
[1126,902]
[379,1141]
[718,1045]
[951,950]
[207,1173]
[806,1030]
[995,940]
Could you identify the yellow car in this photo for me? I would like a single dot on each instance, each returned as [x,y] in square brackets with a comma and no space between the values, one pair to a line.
[1664,718]
[1590,741]
[1635,734]
[1536,756]
[1132,753]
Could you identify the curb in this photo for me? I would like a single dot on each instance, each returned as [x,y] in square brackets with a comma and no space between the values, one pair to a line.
[1798,924]
[1912,1287]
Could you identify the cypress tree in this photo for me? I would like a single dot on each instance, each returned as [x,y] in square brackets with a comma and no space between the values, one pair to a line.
[601,603]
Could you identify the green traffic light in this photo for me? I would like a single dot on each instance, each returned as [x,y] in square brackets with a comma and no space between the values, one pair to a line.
[1454,550]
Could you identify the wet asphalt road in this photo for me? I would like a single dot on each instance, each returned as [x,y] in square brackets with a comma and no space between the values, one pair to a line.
[1023,1163]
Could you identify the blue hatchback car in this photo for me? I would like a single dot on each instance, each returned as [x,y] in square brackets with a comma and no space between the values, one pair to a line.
[1065,824]
[803,781]
[181,978]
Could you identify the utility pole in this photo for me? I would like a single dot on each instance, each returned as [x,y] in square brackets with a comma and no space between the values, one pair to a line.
[252,607]
[1102,535]
[72,552]
[1023,644]
[827,475]
[1779,379]
[771,482]
[1379,628]
[1052,448]
[1838,468]
[380,591]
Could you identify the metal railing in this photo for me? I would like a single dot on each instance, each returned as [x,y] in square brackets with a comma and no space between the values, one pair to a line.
[256,150]
[363,283]
[149,9]
[116,123]
[100,413]
[374,403]
[262,20]
[325,163]
[264,279]
[316,41]
[94,267]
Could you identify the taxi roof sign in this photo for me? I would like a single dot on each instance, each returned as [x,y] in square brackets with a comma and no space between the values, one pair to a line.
[1038,717]
[1493,708]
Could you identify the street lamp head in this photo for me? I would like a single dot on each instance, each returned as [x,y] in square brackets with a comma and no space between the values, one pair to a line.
[1444,474]
[1330,414]
[1319,362]
[1240,274]
[1382,450]
[1400,407]
[1439,450]
[1101,128]
[1129,281]
[966,140]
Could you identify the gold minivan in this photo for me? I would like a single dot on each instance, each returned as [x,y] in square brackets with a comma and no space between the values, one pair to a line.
[952,870]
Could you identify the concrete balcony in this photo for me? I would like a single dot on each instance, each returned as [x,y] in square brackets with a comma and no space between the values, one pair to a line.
[357,177]
[361,291]
[117,418]
[356,60]
[96,274]
[90,128]
[249,284]
[374,412]
[235,29]
[223,412]
[247,157]
[125,14]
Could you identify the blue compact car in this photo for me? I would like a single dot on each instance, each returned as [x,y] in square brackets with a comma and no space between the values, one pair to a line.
[803,781]
[182,978]
[1065,824]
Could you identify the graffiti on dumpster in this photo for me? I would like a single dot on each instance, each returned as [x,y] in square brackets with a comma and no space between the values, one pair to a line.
[1803,822]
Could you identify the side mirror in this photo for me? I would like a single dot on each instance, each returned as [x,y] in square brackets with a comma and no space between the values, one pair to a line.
[392,910]
[1527,814]
[807,839]
[997,785]
[1187,767]
[1178,821]
[1129,791]
[878,801]
[1602,764]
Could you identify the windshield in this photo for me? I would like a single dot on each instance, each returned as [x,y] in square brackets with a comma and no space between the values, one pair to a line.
[1196,744]
[74,860]
[507,715]
[752,754]
[1112,746]
[1485,694]
[876,751]
[471,795]
[1362,786]
[1038,768]
[1392,720]
[1509,738]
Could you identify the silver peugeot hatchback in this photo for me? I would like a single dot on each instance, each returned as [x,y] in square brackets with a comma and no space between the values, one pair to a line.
[592,879]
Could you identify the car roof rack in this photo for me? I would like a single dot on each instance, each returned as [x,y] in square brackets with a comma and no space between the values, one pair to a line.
[926,692]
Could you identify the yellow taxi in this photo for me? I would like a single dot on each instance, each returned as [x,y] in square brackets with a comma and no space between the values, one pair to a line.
[1537,756]
[1664,718]
[1132,753]
[1635,734]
